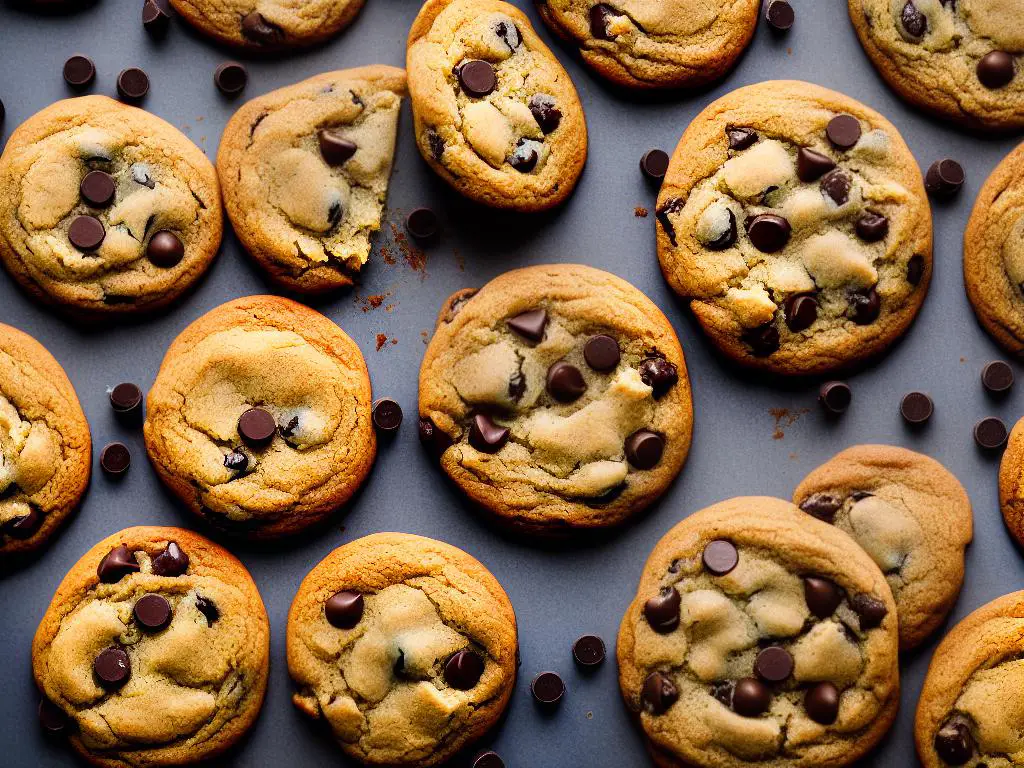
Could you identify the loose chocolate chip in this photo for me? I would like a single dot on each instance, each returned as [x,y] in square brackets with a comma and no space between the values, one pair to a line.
[751,697]
[422,224]
[654,164]
[259,30]
[208,608]
[811,165]
[773,664]
[763,340]
[822,703]
[872,227]
[344,609]
[79,71]
[843,131]
[115,459]
[835,397]
[335,148]
[165,249]
[463,670]
[801,311]
[780,15]
[990,433]
[171,562]
[387,415]
[865,306]
[117,564]
[547,115]
[871,610]
[97,189]
[915,269]
[662,611]
[768,232]
[152,612]
[257,427]
[509,34]
[132,84]
[86,233]
[236,461]
[52,718]
[658,694]
[954,742]
[740,138]
[914,22]
[727,238]
[995,69]
[601,17]
[23,527]
[837,186]
[489,760]
[230,78]
[525,155]
[944,178]
[126,398]
[644,449]
[547,688]
[916,408]
[997,377]
[822,596]
[433,438]
[156,16]
[602,353]
[476,77]
[486,436]
[530,325]
[720,557]
[565,382]
[589,651]
[822,506]
[112,667]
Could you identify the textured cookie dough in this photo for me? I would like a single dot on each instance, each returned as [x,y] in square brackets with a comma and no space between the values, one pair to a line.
[933,53]
[305,171]
[195,685]
[689,640]
[970,710]
[45,448]
[269,25]
[909,514]
[1011,482]
[564,463]
[384,682]
[517,137]
[162,183]
[844,237]
[290,361]
[655,43]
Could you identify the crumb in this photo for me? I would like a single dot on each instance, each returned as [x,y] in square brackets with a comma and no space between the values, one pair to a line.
[394,341]
[640,213]
[963,359]
[385,253]
[414,257]
[199,119]
[425,335]
[793,456]
[389,307]
[382,339]
[590,715]
[789,51]
[784,417]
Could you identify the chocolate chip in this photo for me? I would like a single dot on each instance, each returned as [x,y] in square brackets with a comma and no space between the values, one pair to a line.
[436,144]
[386,415]
[86,233]
[722,692]
[486,436]
[822,703]
[208,608]
[565,382]
[822,506]
[525,155]
[915,269]
[763,340]
[422,224]
[132,84]
[547,688]
[720,557]
[662,611]
[995,69]
[79,71]
[751,697]
[768,232]
[780,15]
[112,667]
[156,16]
[811,165]
[98,189]
[152,612]
[517,386]
[944,178]
[872,227]
[344,609]
[740,138]
[954,742]
[997,377]
[115,458]
[843,131]
[601,17]
[865,306]
[433,438]
[165,249]
[463,670]
[589,651]
[23,527]
[990,433]
[476,77]
[117,564]
[673,205]
[801,311]
[126,398]
[835,397]
[236,460]
[171,562]
[837,186]
[654,164]
[257,427]
[658,694]
[602,353]
[509,34]
[644,449]
[773,664]
[230,78]
[334,148]
[914,22]
[547,115]
[530,325]
[259,30]
[916,408]
[489,760]
[659,374]
[871,610]
[822,596]
[52,718]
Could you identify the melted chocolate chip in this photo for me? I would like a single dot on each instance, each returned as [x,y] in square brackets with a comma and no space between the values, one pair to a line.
[662,610]
[740,138]
[836,185]
[601,17]
[954,742]
[171,562]
[811,165]
[763,340]
[544,111]
[208,608]
[112,667]
[257,29]
[915,269]
[659,374]
[674,205]
[116,564]
[344,609]
[334,148]
[434,439]
[727,238]
[872,227]
[768,232]
[486,436]
[509,34]
[822,506]
[236,461]
[658,694]
[463,670]
[914,22]
[871,610]
[865,306]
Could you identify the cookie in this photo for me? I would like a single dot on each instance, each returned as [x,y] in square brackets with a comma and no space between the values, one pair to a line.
[759,635]
[556,397]
[795,221]
[654,43]
[45,447]
[106,209]
[404,646]
[259,418]
[154,651]
[269,25]
[1011,482]
[306,171]
[969,711]
[994,254]
[959,60]
[495,114]
[909,514]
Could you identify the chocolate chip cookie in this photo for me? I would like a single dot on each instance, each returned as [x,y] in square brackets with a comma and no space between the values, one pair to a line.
[105,208]
[306,171]
[654,43]
[795,221]
[909,514]
[496,115]
[1011,482]
[556,397]
[259,418]
[154,650]
[45,448]
[969,712]
[960,59]
[269,25]
[760,635]
[405,646]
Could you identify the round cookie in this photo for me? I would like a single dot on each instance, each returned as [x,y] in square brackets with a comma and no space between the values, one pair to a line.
[45,447]
[105,208]
[154,651]
[269,25]
[654,43]
[960,60]
[969,712]
[259,418]
[407,647]
[795,221]
[556,397]
[306,172]
[759,635]
[909,514]
[495,114]
[994,253]
[1011,482]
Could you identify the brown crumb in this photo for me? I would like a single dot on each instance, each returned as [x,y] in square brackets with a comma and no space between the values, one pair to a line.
[425,336]
[784,417]
[368,303]
[385,254]
[640,213]
[963,359]
[389,307]
[789,51]
[382,339]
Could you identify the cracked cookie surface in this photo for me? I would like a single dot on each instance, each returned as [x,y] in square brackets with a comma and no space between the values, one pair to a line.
[45,446]
[406,647]
[795,221]
[759,634]
[655,43]
[969,712]
[105,208]
[961,59]
[495,114]
[144,687]
[909,514]
[269,25]
[305,171]
[556,397]
[259,418]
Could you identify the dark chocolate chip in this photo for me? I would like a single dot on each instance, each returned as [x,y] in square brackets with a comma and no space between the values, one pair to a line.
[208,608]
[915,269]
[436,144]
[822,703]
[476,77]
[156,16]
[773,664]
[547,688]
[601,17]
[654,164]
[872,227]
[602,353]
[822,596]
[98,189]
[780,15]
[997,377]
[23,527]
[836,185]
[171,562]
[463,670]
[257,29]
[740,138]
[916,408]
[644,448]
[152,612]
[236,461]
[865,306]
[835,397]
[86,233]
[658,694]
[52,718]
[115,458]
[132,84]
[530,325]
[768,232]
[720,557]
[126,398]
[165,249]
[335,148]
[79,71]
[801,311]
[944,178]
[525,156]
[433,438]
[547,115]
[112,667]
[871,610]
[954,742]
[589,651]
[763,340]
[723,691]
[996,69]
[914,22]
[257,427]
[673,205]
[344,609]
[662,610]
[843,131]
[230,78]
[811,165]
[486,436]
[659,374]
[422,224]
[751,697]
[822,506]
[990,434]
[727,238]
[489,760]
[116,564]
[565,382]
[288,430]
[387,415]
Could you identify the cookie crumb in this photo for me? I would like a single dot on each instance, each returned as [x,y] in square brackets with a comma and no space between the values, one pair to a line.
[640,212]
[785,417]
[382,339]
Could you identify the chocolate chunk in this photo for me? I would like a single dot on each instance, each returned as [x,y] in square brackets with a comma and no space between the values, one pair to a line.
[780,15]
[112,667]
[486,436]
[230,78]
[995,69]
[126,398]
[463,670]
[915,269]
[436,144]
[602,353]
[811,165]
[171,562]
[763,340]
[822,506]
[208,608]
[997,377]
[822,596]
[773,664]
[525,155]
[654,164]
[344,609]
[865,306]
[257,427]
[768,232]
[288,430]
[547,688]
[334,148]
[422,224]
[601,17]
[954,742]
[547,115]
[741,138]
[152,612]
[530,325]
[387,415]
[751,697]
[720,557]
[236,461]
[433,438]
[517,386]
[837,186]
[835,397]
[97,189]
[870,609]
[489,760]
[843,131]
[117,564]
[52,718]
[565,382]
[659,374]
[86,233]
[23,527]
[674,205]
[79,71]
[165,249]
[914,22]
[658,694]
[156,17]
[916,408]
[589,651]
[132,84]
[990,434]
[476,77]
[115,459]
[872,227]
[662,611]
[944,178]
[801,311]
[822,703]
[727,238]
[644,449]
[257,29]
[722,692]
